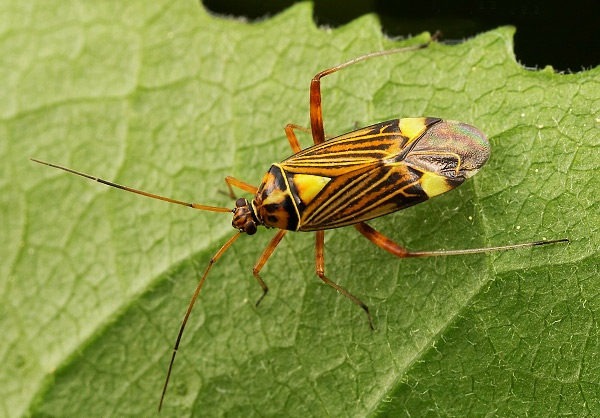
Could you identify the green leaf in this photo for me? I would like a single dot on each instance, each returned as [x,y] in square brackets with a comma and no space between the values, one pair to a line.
[167,98]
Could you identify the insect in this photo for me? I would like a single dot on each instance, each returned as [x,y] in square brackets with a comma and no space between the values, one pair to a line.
[346,180]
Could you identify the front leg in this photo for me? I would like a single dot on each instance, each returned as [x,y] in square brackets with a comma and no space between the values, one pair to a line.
[232,181]
[263,259]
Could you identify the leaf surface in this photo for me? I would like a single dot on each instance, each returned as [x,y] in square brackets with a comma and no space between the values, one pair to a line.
[167,98]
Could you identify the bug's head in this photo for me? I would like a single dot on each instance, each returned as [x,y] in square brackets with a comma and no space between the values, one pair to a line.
[243,217]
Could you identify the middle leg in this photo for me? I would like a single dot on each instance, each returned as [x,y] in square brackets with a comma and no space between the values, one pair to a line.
[320,267]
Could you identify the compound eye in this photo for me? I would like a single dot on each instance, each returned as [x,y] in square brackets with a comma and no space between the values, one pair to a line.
[250,228]
[241,202]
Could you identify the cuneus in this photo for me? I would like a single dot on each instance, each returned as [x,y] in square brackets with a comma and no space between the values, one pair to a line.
[345,181]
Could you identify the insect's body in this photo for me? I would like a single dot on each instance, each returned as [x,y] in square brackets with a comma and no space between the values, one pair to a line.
[347,180]
[368,173]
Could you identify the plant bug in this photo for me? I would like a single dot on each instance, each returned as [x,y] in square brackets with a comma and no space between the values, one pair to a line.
[346,180]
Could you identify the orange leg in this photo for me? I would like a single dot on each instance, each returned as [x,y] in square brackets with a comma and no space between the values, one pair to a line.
[316,110]
[263,259]
[212,261]
[232,181]
[393,248]
[291,136]
[320,267]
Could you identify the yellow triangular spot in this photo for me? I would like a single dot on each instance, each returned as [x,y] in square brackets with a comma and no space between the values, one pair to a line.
[412,128]
[434,184]
[307,186]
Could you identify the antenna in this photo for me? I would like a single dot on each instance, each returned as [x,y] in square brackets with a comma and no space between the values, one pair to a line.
[136,191]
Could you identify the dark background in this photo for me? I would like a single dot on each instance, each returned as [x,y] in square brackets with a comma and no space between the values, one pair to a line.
[565,34]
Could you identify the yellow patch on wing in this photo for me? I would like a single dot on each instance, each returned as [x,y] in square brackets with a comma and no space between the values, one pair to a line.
[308,186]
[412,128]
[434,184]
